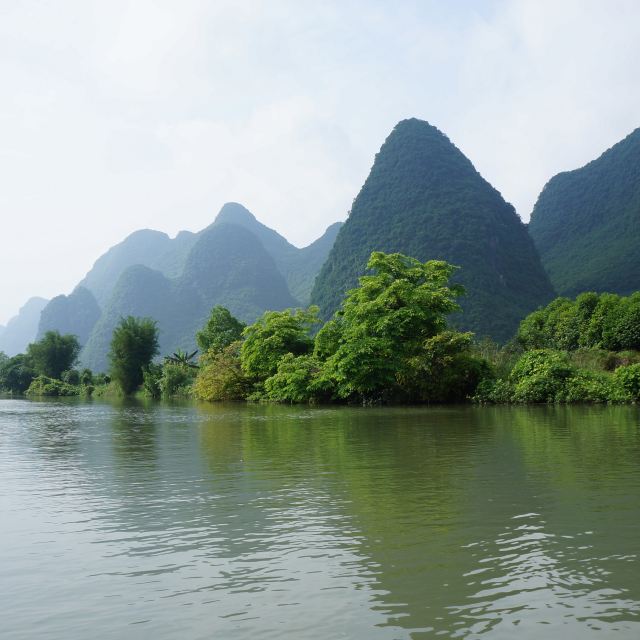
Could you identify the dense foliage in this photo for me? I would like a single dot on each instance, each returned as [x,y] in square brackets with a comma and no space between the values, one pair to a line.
[16,373]
[424,198]
[236,262]
[133,345]
[220,330]
[606,321]
[53,354]
[582,350]
[388,343]
[586,223]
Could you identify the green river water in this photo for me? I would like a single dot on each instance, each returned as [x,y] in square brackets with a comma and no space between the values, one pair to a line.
[133,520]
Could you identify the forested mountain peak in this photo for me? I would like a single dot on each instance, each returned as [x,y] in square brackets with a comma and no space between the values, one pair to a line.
[424,198]
[586,223]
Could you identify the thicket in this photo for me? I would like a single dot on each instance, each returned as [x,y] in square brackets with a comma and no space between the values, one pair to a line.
[389,342]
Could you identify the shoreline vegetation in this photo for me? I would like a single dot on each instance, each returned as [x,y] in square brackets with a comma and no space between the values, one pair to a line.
[389,343]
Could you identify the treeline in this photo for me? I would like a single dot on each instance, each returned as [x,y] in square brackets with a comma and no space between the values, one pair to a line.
[389,342]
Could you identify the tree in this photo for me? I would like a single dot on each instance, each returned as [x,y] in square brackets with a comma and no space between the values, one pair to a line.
[221,377]
[133,346]
[16,374]
[272,336]
[386,321]
[53,354]
[220,330]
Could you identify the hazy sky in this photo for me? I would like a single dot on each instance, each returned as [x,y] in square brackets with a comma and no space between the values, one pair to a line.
[119,115]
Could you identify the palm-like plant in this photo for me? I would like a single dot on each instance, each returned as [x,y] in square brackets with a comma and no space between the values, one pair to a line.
[182,358]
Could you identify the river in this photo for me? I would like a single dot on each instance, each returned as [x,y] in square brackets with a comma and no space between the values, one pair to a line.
[148,520]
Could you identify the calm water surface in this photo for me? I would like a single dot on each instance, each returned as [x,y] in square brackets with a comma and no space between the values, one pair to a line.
[168,521]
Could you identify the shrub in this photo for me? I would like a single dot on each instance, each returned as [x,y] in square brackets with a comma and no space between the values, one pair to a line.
[221,377]
[45,386]
[540,376]
[586,386]
[627,379]
[176,380]
[298,379]
[151,380]
[72,376]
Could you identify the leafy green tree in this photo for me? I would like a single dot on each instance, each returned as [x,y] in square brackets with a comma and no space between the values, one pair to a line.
[86,377]
[16,374]
[444,369]
[220,330]
[133,346]
[628,380]
[176,379]
[272,336]
[221,377]
[298,379]
[71,376]
[386,321]
[540,376]
[53,354]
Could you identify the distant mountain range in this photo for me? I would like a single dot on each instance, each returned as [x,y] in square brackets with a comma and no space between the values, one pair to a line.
[423,197]
[586,223]
[237,262]
[22,329]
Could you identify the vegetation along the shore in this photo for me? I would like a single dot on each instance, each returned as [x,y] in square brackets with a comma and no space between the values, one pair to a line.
[389,342]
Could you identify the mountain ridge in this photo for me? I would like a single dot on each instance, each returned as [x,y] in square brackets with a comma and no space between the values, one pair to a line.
[423,197]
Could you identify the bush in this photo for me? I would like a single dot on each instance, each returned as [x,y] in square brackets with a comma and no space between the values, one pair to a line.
[151,380]
[45,386]
[540,376]
[627,379]
[494,392]
[72,376]
[221,377]
[298,379]
[586,386]
[176,380]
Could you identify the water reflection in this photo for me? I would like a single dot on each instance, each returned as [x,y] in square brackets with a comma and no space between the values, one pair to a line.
[241,521]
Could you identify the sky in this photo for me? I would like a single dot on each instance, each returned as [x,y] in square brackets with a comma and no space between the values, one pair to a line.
[122,115]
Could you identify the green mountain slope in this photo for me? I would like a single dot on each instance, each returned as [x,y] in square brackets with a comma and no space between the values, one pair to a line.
[424,198]
[76,314]
[23,328]
[227,265]
[586,223]
[299,266]
[141,247]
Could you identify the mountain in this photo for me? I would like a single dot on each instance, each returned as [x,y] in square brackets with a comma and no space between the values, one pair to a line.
[227,265]
[141,247]
[586,223]
[299,266]
[424,198]
[76,314]
[236,261]
[143,292]
[22,329]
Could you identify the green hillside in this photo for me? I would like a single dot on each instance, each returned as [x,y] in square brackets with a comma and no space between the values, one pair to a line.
[586,223]
[227,265]
[424,198]
[76,314]
[299,266]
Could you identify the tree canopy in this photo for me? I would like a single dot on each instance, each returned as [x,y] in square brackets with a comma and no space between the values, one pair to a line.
[220,330]
[53,354]
[133,345]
